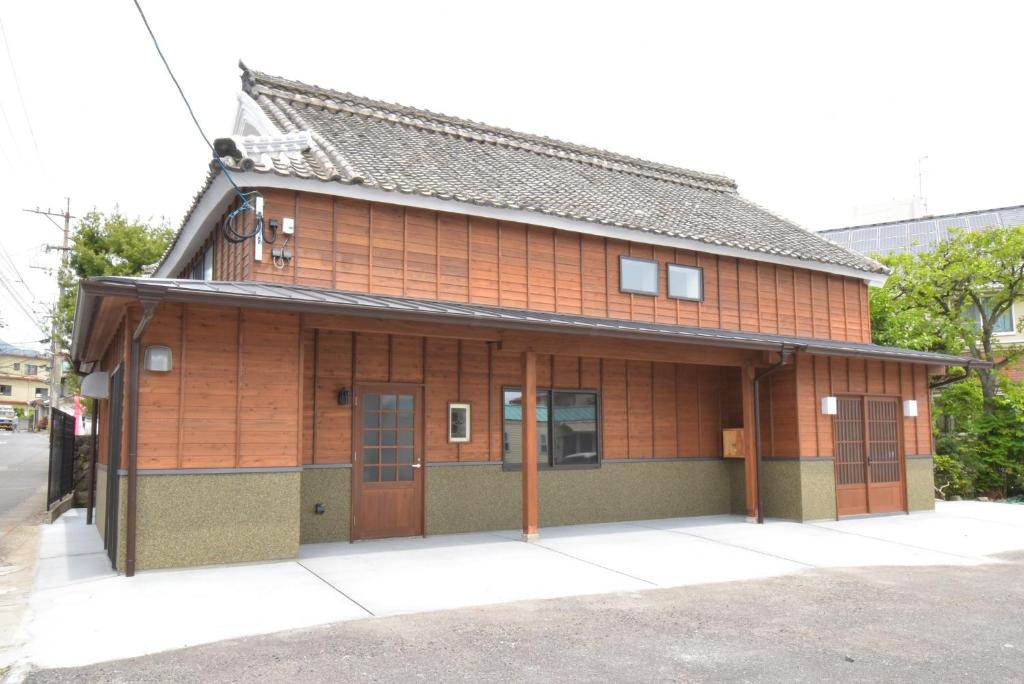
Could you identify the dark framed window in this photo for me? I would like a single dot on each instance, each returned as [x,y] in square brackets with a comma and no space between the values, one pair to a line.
[5,390]
[567,428]
[638,276]
[17,366]
[685,282]
[30,369]
[42,393]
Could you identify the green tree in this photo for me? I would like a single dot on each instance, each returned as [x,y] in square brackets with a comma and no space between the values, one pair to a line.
[106,244]
[951,298]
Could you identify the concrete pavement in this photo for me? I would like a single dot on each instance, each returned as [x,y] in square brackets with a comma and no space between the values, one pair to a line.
[867,624]
[23,470]
[84,613]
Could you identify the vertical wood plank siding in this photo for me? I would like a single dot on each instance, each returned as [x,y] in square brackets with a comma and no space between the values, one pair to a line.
[235,400]
[388,249]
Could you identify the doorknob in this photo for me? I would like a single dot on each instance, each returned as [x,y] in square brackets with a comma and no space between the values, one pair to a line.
[417,465]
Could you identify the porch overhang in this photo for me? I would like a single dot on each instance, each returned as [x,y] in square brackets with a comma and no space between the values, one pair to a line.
[495,323]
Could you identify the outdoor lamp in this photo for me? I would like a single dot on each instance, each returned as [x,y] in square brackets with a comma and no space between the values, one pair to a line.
[910,408]
[343,396]
[158,358]
[829,406]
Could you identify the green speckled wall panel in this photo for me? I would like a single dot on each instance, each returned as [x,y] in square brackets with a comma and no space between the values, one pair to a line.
[799,489]
[780,489]
[333,488]
[199,519]
[485,497]
[634,491]
[738,486]
[818,489]
[920,484]
[472,498]
[99,516]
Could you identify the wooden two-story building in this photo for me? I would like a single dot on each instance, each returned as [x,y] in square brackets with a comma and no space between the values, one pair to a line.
[365,301]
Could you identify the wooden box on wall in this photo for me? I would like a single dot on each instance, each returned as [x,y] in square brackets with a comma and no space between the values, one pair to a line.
[732,443]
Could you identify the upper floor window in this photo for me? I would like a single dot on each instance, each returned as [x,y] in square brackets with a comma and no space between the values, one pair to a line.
[208,263]
[30,369]
[686,282]
[42,393]
[203,268]
[17,366]
[638,276]
[5,390]
[1003,324]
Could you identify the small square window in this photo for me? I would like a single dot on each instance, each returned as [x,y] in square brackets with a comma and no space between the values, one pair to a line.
[638,276]
[5,390]
[30,369]
[686,282]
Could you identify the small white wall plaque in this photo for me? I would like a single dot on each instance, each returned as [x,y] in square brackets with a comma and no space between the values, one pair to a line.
[458,422]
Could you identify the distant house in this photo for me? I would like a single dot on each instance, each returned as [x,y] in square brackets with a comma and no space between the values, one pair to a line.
[919,234]
[351,352]
[922,234]
[24,376]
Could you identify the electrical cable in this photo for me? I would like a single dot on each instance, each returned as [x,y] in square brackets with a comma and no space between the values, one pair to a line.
[230,234]
[21,97]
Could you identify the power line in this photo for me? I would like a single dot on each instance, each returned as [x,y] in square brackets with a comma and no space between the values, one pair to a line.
[156,44]
[21,96]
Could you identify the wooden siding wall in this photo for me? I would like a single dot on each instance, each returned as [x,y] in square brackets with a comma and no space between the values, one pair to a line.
[232,398]
[114,354]
[649,410]
[388,249]
[791,420]
[231,261]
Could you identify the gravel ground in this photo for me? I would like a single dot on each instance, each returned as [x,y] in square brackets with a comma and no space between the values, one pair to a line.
[891,624]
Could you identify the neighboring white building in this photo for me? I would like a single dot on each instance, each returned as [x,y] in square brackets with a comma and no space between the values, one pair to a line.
[921,234]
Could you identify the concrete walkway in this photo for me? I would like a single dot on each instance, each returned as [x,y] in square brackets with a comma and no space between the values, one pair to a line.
[81,612]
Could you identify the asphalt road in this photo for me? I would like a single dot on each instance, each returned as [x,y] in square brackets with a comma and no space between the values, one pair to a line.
[24,464]
[23,470]
[876,624]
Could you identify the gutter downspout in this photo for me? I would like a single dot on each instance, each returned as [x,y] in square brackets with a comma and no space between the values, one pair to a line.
[952,381]
[784,354]
[148,309]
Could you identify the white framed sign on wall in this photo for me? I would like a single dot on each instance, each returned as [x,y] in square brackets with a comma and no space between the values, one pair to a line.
[458,422]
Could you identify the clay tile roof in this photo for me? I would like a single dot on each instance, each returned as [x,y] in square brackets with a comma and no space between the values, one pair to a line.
[401,149]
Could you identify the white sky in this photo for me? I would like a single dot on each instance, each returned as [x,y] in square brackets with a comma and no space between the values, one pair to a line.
[817,111]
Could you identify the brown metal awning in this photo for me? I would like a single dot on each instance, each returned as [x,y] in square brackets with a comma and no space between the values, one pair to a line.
[313,300]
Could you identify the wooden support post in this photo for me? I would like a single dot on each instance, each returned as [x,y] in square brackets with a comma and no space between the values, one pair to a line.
[529,441]
[749,443]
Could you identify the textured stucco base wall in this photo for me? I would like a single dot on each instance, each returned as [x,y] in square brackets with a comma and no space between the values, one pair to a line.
[485,497]
[333,488]
[738,486]
[920,484]
[818,489]
[472,498]
[99,516]
[197,519]
[796,489]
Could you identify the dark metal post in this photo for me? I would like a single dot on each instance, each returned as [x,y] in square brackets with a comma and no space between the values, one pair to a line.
[91,494]
[148,308]
[784,354]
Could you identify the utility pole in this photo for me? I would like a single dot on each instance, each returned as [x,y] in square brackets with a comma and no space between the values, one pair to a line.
[56,357]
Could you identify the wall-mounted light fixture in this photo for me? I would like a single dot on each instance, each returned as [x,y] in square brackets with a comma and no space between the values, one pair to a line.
[829,406]
[158,358]
[344,396]
[910,408]
[319,509]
